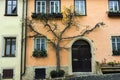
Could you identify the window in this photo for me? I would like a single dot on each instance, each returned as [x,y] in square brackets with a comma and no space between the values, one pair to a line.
[47,6]
[40,6]
[54,7]
[116,45]
[10,47]
[113,5]
[7,73]
[80,7]
[40,43]
[11,7]
[40,73]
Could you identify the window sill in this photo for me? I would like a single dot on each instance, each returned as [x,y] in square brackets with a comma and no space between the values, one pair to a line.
[113,14]
[9,56]
[116,55]
[47,15]
[10,15]
[80,14]
[8,79]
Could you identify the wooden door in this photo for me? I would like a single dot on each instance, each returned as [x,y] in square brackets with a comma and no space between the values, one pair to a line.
[81,56]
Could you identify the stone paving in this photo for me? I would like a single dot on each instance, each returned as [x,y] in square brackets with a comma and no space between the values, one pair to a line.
[98,77]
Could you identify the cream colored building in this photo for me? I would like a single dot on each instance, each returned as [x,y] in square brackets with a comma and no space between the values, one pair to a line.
[10,38]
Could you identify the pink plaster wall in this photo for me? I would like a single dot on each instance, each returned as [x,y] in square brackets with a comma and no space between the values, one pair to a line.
[96,12]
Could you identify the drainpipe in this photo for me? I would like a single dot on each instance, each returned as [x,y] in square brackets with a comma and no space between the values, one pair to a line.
[25,44]
[22,39]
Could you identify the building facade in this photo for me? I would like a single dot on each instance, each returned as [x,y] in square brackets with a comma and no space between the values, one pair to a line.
[101,45]
[11,16]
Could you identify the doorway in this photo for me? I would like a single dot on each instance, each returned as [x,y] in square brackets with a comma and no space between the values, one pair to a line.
[81,56]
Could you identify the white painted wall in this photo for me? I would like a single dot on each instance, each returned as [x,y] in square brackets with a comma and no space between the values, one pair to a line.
[11,26]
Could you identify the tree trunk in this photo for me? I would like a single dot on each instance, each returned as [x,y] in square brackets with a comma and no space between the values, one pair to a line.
[58,56]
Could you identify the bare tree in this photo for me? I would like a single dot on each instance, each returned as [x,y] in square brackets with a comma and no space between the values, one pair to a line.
[67,21]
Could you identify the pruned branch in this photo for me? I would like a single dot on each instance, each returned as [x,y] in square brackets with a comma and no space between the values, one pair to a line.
[52,30]
[69,22]
[92,29]
[30,25]
[87,31]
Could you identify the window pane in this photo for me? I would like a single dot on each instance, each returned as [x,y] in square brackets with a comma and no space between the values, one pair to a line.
[38,47]
[9,9]
[113,46]
[43,7]
[14,10]
[56,6]
[111,5]
[8,47]
[116,5]
[76,6]
[80,7]
[38,7]
[14,3]
[37,43]
[118,46]
[113,39]
[52,7]
[9,3]
[118,39]
[13,46]
[42,44]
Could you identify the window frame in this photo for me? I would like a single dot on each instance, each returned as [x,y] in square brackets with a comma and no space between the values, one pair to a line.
[48,7]
[85,11]
[10,76]
[6,8]
[36,10]
[113,7]
[115,44]
[5,47]
[54,1]
[40,44]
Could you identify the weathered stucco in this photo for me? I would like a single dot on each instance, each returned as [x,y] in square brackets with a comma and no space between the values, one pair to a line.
[101,38]
[10,26]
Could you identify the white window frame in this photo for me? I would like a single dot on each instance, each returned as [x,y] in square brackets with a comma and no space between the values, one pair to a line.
[40,6]
[116,42]
[55,7]
[113,5]
[79,7]
[40,43]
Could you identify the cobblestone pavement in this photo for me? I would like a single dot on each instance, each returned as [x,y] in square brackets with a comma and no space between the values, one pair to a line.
[98,77]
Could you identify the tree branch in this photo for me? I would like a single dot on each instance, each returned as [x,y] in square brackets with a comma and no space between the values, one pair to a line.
[52,30]
[87,31]
[37,33]
[69,23]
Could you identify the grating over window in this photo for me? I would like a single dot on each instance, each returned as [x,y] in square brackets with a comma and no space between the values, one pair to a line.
[7,73]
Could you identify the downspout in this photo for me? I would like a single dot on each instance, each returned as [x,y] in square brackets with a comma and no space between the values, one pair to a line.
[22,39]
[25,46]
